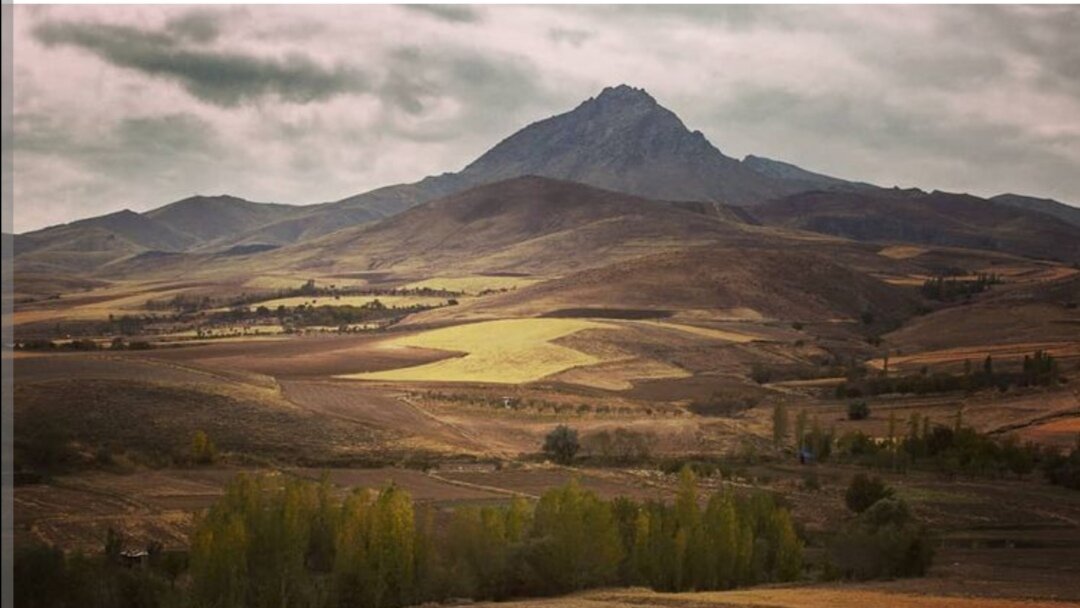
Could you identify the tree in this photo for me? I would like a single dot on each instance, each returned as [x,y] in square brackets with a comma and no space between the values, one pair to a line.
[787,546]
[864,491]
[780,424]
[575,540]
[203,450]
[800,429]
[561,444]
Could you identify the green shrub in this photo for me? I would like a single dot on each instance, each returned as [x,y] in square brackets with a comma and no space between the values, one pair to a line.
[864,491]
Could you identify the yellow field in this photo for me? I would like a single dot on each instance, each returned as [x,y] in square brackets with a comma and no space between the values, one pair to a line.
[118,299]
[708,332]
[791,597]
[390,301]
[509,351]
[473,284]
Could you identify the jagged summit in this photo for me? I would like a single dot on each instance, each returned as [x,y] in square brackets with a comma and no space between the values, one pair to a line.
[625,95]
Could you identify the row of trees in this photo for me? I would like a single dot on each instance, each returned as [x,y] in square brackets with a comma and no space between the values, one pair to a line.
[951,288]
[948,448]
[1038,369]
[271,543]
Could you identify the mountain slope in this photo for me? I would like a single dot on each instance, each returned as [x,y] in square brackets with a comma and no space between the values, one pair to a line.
[528,224]
[797,178]
[207,218]
[937,218]
[624,140]
[1066,213]
[792,283]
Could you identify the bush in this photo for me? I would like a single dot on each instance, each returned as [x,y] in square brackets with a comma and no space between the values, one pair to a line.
[858,410]
[864,491]
[561,444]
[885,541]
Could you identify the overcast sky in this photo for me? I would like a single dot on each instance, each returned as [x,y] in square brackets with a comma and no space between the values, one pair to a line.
[137,106]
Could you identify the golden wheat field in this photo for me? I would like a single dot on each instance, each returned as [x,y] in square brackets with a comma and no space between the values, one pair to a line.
[508,351]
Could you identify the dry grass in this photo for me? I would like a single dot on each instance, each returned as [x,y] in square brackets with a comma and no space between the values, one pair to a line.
[902,252]
[509,351]
[474,284]
[619,375]
[708,332]
[277,281]
[976,354]
[127,297]
[390,301]
[1063,433]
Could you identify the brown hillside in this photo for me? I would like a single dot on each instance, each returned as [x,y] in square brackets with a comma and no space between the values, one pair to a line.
[528,224]
[778,283]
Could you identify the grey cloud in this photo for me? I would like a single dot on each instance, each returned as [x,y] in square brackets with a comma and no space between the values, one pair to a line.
[573,37]
[911,135]
[486,88]
[220,78]
[454,13]
[1047,34]
[196,25]
[134,147]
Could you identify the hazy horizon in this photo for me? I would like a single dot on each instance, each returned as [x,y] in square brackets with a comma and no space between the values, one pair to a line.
[136,107]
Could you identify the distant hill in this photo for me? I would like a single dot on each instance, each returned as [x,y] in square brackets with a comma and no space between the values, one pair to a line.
[530,224]
[936,218]
[207,218]
[774,282]
[1066,213]
[798,178]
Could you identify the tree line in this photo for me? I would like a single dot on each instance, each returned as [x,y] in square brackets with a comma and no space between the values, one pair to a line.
[1038,369]
[271,542]
[951,449]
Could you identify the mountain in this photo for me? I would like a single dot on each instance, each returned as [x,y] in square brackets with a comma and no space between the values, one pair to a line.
[1065,213]
[86,244]
[624,140]
[530,224]
[318,220]
[181,226]
[620,140]
[798,178]
[207,218]
[936,218]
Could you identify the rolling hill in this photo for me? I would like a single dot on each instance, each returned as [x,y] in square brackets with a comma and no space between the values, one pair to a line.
[1066,213]
[527,224]
[936,218]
